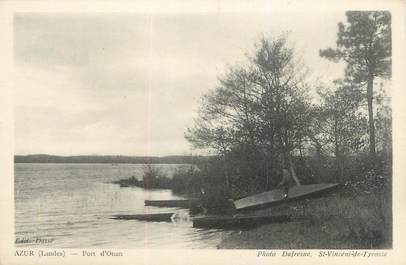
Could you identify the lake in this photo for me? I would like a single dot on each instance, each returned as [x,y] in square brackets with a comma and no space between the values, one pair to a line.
[71,205]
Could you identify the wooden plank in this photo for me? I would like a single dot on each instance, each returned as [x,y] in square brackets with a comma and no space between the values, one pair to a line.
[154,217]
[274,197]
[172,203]
[232,222]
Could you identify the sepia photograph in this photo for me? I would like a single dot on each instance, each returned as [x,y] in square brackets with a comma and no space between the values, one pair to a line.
[268,131]
[203,131]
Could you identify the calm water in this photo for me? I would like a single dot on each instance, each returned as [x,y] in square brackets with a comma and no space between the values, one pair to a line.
[72,204]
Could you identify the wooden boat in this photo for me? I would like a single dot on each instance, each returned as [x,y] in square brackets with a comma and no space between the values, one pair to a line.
[211,221]
[276,196]
[172,203]
[239,221]
[154,217]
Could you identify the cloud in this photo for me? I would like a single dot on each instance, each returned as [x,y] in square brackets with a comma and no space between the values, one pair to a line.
[130,83]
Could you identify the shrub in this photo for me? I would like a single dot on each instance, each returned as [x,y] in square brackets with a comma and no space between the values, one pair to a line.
[187,181]
[153,177]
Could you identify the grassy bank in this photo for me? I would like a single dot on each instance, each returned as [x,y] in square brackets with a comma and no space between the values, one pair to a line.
[340,220]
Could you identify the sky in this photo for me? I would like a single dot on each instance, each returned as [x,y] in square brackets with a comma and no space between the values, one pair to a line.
[130,84]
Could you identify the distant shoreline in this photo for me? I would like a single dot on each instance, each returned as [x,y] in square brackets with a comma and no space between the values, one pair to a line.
[107,159]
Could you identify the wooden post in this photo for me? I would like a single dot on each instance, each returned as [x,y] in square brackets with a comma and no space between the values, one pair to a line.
[227,188]
[292,171]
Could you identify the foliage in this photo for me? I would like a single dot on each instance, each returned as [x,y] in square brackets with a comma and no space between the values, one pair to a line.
[257,115]
[153,177]
[364,43]
[383,124]
[340,124]
[187,181]
[260,118]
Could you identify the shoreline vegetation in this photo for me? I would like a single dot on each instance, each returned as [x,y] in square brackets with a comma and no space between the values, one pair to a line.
[357,215]
[182,182]
[152,178]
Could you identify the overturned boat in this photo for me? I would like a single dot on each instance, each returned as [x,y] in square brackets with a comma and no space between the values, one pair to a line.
[277,196]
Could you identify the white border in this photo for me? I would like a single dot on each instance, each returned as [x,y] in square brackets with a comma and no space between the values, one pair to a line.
[8,8]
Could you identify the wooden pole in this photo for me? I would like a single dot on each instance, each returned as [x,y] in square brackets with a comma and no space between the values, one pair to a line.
[292,171]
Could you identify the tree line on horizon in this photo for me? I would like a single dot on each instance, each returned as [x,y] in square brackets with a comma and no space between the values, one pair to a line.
[43,158]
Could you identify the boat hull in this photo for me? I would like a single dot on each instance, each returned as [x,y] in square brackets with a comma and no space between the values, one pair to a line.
[274,197]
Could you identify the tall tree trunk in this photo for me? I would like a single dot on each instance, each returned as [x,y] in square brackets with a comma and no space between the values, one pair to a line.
[336,148]
[370,86]
[288,157]
[227,189]
[269,167]
[342,163]
[319,162]
[292,171]
[300,150]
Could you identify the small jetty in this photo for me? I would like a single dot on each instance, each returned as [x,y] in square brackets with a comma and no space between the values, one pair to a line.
[172,203]
[154,217]
[239,221]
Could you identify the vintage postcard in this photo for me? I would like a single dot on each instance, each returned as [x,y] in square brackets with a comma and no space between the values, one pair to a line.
[202,132]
